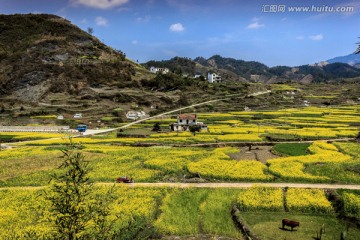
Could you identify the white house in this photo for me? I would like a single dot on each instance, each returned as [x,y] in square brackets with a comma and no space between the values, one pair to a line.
[135,115]
[213,77]
[186,120]
[159,70]
[255,78]
[78,115]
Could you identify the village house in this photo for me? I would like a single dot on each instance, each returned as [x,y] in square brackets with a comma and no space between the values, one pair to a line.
[133,115]
[255,78]
[159,70]
[213,77]
[197,75]
[184,121]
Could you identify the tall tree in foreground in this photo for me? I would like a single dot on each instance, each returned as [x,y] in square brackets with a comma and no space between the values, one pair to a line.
[77,213]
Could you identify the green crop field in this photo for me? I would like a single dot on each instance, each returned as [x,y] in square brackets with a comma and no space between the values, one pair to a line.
[292,149]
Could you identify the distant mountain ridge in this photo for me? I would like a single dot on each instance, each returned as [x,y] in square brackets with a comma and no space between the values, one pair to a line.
[233,69]
[351,59]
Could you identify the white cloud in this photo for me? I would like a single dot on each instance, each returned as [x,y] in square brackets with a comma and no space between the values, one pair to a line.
[134,42]
[102,4]
[177,27]
[147,18]
[318,37]
[300,38]
[255,25]
[100,21]
[84,21]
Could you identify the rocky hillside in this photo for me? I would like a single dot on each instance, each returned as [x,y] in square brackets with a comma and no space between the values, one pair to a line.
[48,66]
[43,54]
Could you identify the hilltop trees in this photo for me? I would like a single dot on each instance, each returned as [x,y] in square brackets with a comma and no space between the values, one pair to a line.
[90,30]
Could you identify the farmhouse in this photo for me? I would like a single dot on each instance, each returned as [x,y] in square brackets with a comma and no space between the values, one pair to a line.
[159,70]
[214,77]
[184,121]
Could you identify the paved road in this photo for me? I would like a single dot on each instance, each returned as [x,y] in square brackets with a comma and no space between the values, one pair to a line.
[217,185]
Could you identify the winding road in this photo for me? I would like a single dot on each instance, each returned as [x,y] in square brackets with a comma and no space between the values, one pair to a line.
[92,132]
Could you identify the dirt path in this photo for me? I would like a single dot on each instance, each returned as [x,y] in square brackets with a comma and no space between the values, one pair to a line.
[214,185]
[258,153]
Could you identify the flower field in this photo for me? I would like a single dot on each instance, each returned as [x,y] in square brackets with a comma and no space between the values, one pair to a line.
[33,165]
[292,168]
[312,201]
[146,212]
[308,201]
[351,202]
[28,135]
[26,212]
[311,123]
[261,199]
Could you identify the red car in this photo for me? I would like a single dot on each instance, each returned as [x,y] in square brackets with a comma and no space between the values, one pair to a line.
[124,180]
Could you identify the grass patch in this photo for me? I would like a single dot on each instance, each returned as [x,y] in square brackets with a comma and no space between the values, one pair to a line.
[198,211]
[268,226]
[337,172]
[291,149]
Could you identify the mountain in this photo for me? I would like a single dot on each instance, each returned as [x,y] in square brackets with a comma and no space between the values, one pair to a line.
[239,70]
[48,66]
[351,59]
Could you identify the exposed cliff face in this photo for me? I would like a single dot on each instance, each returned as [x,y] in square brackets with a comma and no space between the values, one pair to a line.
[42,54]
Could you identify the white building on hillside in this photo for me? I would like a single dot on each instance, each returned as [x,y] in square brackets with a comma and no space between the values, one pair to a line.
[213,77]
[133,115]
[159,70]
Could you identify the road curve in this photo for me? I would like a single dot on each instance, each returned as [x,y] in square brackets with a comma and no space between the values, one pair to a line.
[212,185]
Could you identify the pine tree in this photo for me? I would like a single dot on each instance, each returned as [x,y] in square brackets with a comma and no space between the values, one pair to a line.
[77,213]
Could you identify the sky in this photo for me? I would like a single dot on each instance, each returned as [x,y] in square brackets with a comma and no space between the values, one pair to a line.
[274,32]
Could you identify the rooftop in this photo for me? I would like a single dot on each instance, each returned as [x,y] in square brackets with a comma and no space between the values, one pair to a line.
[187,117]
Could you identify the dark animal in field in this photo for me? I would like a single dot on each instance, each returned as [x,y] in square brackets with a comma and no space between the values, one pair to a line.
[292,224]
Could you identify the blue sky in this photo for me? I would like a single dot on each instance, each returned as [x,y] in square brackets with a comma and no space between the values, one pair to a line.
[267,31]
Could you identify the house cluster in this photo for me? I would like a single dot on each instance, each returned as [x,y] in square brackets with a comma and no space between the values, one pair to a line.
[212,77]
[159,70]
[133,115]
[76,115]
[184,121]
